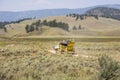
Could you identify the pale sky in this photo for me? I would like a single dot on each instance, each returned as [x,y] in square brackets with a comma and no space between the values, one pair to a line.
[22,5]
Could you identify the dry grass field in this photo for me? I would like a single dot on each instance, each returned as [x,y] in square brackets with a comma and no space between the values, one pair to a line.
[30,59]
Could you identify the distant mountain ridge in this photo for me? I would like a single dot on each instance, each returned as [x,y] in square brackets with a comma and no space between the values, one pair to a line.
[116,6]
[13,16]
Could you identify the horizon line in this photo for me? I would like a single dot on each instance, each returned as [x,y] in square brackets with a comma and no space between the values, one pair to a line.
[58,8]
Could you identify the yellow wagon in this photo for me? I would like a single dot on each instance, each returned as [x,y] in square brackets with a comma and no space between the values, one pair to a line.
[67,47]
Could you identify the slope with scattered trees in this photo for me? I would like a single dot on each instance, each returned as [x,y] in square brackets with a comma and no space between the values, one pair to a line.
[2,25]
[105,12]
[82,16]
[36,25]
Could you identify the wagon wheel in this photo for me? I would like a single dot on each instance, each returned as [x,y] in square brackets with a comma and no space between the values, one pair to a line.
[62,51]
[73,51]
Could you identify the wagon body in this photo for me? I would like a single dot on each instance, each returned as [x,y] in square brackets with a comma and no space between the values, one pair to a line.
[66,46]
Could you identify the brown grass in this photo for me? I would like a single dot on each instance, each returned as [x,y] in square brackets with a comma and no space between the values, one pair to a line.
[92,27]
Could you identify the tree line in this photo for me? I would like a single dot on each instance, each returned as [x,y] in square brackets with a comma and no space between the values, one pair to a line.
[36,25]
[18,21]
[82,16]
[54,23]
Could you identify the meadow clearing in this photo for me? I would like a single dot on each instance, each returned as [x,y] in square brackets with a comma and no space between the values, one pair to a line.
[30,59]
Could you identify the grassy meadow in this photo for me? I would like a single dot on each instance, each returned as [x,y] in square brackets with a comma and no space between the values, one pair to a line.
[30,59]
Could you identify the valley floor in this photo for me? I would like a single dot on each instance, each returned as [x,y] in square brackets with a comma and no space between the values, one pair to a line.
[30,59]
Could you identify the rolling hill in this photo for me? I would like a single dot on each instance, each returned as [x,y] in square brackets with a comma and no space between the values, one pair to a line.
[89,27]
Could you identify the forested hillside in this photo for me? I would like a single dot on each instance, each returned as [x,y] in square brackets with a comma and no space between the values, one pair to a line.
[105,12]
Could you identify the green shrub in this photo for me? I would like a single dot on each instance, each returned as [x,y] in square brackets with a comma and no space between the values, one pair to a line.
[109,69]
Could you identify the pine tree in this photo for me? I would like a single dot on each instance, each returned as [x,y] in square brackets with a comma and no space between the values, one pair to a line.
[79,27]
[77,17]
[37,28]
[5,29]
[74,28]
[31,28]
[38,23]
[27,28]
[45,22]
